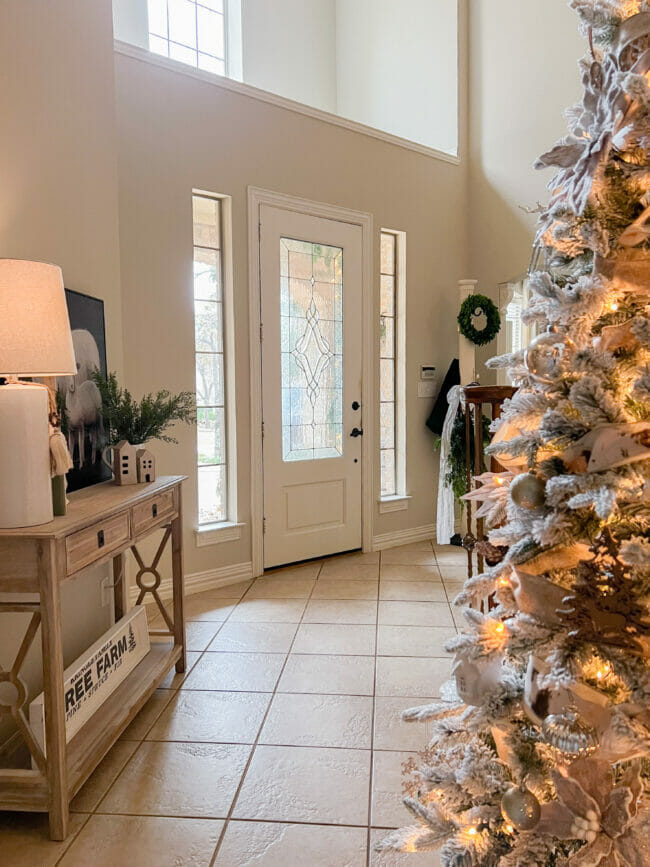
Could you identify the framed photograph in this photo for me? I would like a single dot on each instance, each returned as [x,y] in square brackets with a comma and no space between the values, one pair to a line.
[79,398]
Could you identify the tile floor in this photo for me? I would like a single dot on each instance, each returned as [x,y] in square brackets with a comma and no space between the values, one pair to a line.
[283,743]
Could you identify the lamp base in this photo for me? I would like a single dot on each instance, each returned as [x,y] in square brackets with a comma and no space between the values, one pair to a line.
[25,484]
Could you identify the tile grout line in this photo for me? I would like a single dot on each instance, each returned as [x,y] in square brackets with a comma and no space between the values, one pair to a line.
[262,724]
[372,720]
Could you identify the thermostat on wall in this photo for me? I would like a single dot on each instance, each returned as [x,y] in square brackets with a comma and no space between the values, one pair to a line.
[427,371]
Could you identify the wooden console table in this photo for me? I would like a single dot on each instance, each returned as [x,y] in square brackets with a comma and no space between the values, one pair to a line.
[103,522]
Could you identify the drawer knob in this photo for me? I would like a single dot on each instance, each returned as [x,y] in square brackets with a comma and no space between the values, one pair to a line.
[154,510]
[100,538]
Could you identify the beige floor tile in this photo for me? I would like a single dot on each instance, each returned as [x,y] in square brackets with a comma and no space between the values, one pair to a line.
[413,640]
[138,729]
[280,588]
[208,607]
[173,680]
[319,721]
[408,557]
[264,637]
[335,638]
[218,717]
[404,572]
[349,570]
[356,557]
[335,675]
[304,570]
[422,545]
[246,672]
[453,573]
[103,777]
[337,589]
[199,602]
[411,676]
[306,784]
[118,841]
[272,844]
[415,614]
[391,732]
[415,591]
[399,859]
[387,810]
[453,588]
[269,611]
[199,635]
[341,611]
[178,779]
[25,839]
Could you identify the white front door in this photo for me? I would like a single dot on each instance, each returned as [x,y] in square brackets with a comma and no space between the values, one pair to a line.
[311,301]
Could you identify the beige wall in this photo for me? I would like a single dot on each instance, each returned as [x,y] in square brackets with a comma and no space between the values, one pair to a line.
[58,195]
[177,133]
[523,73]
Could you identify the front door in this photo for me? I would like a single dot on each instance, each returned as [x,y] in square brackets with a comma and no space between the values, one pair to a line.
[311,301]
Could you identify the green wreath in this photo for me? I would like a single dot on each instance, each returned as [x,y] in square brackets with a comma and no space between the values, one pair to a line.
[474,305]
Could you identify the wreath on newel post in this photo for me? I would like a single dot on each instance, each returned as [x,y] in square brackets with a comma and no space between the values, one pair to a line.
[475,305]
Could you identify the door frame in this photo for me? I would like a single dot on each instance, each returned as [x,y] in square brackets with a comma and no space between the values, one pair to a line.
[257,197]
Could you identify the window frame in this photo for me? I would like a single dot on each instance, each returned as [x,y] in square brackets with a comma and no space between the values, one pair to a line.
[229,528]
[398,500]
[227,33]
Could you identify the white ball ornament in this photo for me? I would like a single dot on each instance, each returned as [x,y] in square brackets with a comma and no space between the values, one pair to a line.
[527,491]
[543,357]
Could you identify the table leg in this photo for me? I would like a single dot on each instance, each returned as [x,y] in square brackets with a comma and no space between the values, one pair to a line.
[120,588]
[57,771]
[177,580]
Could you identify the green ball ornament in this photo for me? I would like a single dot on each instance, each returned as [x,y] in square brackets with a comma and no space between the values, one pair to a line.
[520,808]
[527,491]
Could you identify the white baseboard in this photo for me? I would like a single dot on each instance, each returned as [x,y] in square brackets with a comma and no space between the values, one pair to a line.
[198,582]
[403,537]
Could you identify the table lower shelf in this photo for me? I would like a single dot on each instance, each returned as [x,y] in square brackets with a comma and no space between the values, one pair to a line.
[27,789]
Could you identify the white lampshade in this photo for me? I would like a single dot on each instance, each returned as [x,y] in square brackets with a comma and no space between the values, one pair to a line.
[35,338]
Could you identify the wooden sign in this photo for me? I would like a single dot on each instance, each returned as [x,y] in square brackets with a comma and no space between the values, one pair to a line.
[91,679]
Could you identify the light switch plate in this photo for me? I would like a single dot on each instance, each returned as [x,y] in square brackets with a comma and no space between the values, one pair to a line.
[427,388]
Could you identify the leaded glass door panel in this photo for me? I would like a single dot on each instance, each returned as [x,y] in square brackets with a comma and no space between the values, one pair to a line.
[310,278]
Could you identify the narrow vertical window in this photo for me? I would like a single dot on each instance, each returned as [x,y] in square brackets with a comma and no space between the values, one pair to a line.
[211,362]
[392,419]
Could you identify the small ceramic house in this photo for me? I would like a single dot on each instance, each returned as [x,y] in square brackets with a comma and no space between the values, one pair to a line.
[124,463]
[146,466]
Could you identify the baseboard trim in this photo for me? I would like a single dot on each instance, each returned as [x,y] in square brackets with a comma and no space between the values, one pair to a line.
[403,537]
[198,582]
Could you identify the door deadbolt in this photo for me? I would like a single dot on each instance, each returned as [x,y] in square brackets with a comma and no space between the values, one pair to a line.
[356,404]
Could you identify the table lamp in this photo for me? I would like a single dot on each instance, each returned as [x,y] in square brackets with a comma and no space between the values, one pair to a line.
[35,341]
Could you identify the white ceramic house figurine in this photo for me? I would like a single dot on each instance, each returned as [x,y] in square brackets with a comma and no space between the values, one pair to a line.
[124,463]
[146,466]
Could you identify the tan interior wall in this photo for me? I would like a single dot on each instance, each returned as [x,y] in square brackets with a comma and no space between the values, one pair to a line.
[523,74]
[58,195]
[177,133]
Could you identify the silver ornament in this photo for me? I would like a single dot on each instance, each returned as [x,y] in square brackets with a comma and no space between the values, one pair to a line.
[543,357]
[520,808]
[527,491]
[570,734]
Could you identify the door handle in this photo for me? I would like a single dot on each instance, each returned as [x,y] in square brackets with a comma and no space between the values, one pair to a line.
[356,405]
[356,432]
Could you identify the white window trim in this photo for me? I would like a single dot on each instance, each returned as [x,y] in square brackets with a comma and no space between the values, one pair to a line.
[399,500]
[221,531]
[215,534]
[394,503]
[224,83]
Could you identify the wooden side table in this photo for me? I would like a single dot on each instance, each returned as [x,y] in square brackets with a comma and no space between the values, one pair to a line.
[102,524]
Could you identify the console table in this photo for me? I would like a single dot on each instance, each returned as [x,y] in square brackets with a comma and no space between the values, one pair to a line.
[103,523]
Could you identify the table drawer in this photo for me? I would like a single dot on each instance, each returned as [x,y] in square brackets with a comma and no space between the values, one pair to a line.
[149,513]
[91,544]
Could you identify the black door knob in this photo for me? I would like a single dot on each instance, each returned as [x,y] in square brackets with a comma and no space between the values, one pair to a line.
[356,404]
[356,432]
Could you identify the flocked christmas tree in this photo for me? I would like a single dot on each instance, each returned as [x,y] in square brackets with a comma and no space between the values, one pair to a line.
[541,740]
